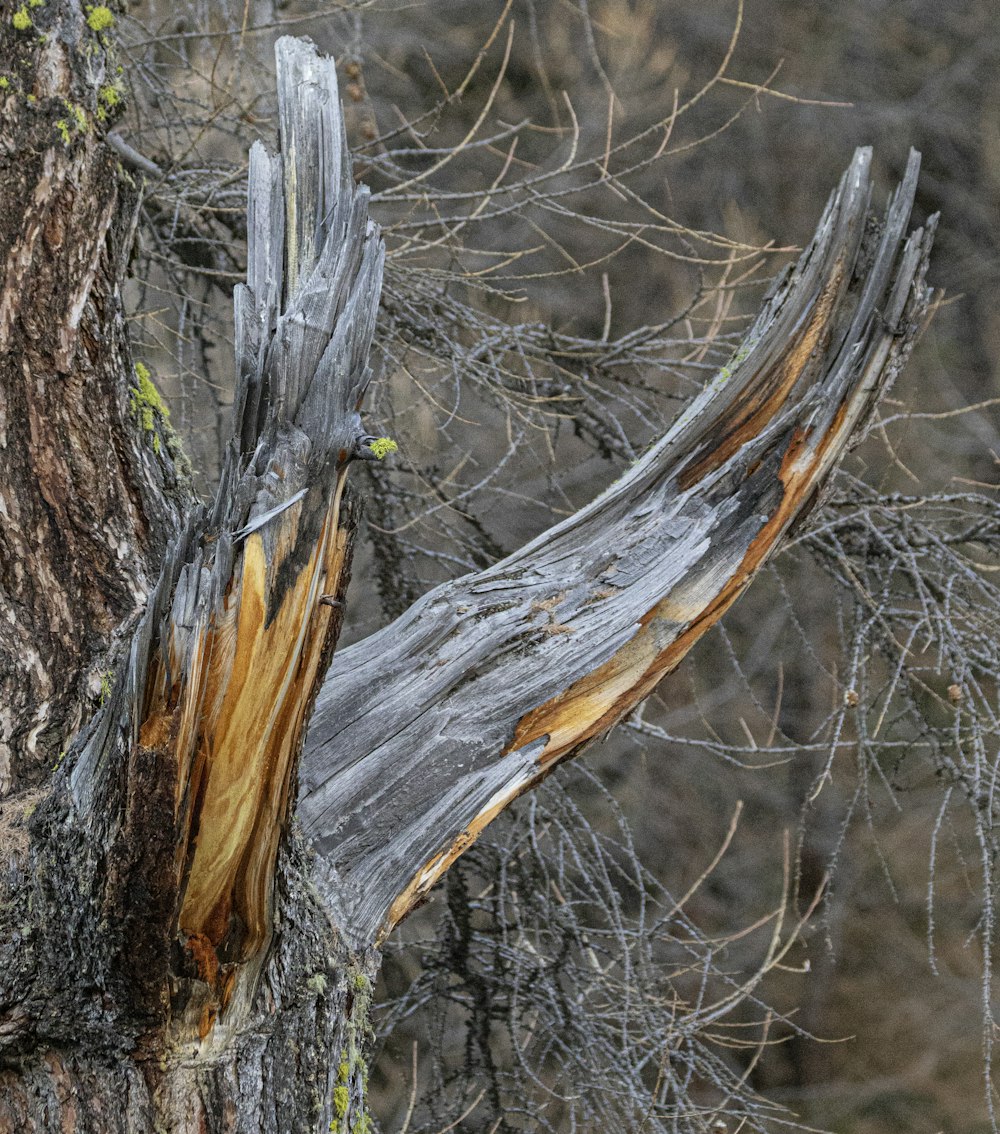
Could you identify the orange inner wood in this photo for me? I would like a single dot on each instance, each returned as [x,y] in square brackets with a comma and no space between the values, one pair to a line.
[234,722]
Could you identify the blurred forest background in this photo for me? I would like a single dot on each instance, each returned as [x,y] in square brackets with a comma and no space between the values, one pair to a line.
[582,201]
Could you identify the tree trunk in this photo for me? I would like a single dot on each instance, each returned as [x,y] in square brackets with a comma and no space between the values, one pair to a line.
[162,966]
[171,955]
[90,490]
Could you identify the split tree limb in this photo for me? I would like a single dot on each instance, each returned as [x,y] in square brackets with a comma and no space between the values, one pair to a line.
[226,663]
[137,893]
[425,731]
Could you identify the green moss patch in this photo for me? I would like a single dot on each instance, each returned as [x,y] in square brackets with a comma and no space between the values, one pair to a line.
[99,17]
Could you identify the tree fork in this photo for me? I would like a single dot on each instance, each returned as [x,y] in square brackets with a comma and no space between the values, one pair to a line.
[165,959]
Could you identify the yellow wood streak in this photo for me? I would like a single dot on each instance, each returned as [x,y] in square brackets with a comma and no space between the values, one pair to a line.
[233,719]
[424,880]
[253,884]
[602,698]
[240,755]
[257,689]
[416,888]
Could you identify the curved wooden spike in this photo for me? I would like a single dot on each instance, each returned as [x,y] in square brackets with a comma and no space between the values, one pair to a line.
[424,732]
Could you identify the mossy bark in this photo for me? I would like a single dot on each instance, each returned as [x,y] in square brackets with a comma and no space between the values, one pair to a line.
[88,504]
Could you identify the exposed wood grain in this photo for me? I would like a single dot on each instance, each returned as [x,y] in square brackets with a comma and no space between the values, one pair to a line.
[136,989]
[236,681]
[424,732]
[137,884]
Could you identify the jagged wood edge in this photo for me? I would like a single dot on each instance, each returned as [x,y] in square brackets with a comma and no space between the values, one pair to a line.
[425,731]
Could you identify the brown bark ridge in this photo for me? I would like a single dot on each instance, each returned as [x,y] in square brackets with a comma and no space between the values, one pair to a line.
[89,493]
[424,732]
[167,967]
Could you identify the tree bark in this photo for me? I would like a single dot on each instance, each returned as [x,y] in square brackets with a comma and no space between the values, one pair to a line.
[167,961]
[90,487]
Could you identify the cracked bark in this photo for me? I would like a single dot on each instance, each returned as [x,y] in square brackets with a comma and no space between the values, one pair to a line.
[87,504]
[167,959]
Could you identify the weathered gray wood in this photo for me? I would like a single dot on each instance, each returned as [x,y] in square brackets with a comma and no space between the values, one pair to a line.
[161,965]
[241,636]
[425,731]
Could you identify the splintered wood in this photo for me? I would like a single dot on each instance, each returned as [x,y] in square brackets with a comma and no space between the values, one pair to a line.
[424,732]
[230,654]
[236,720]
